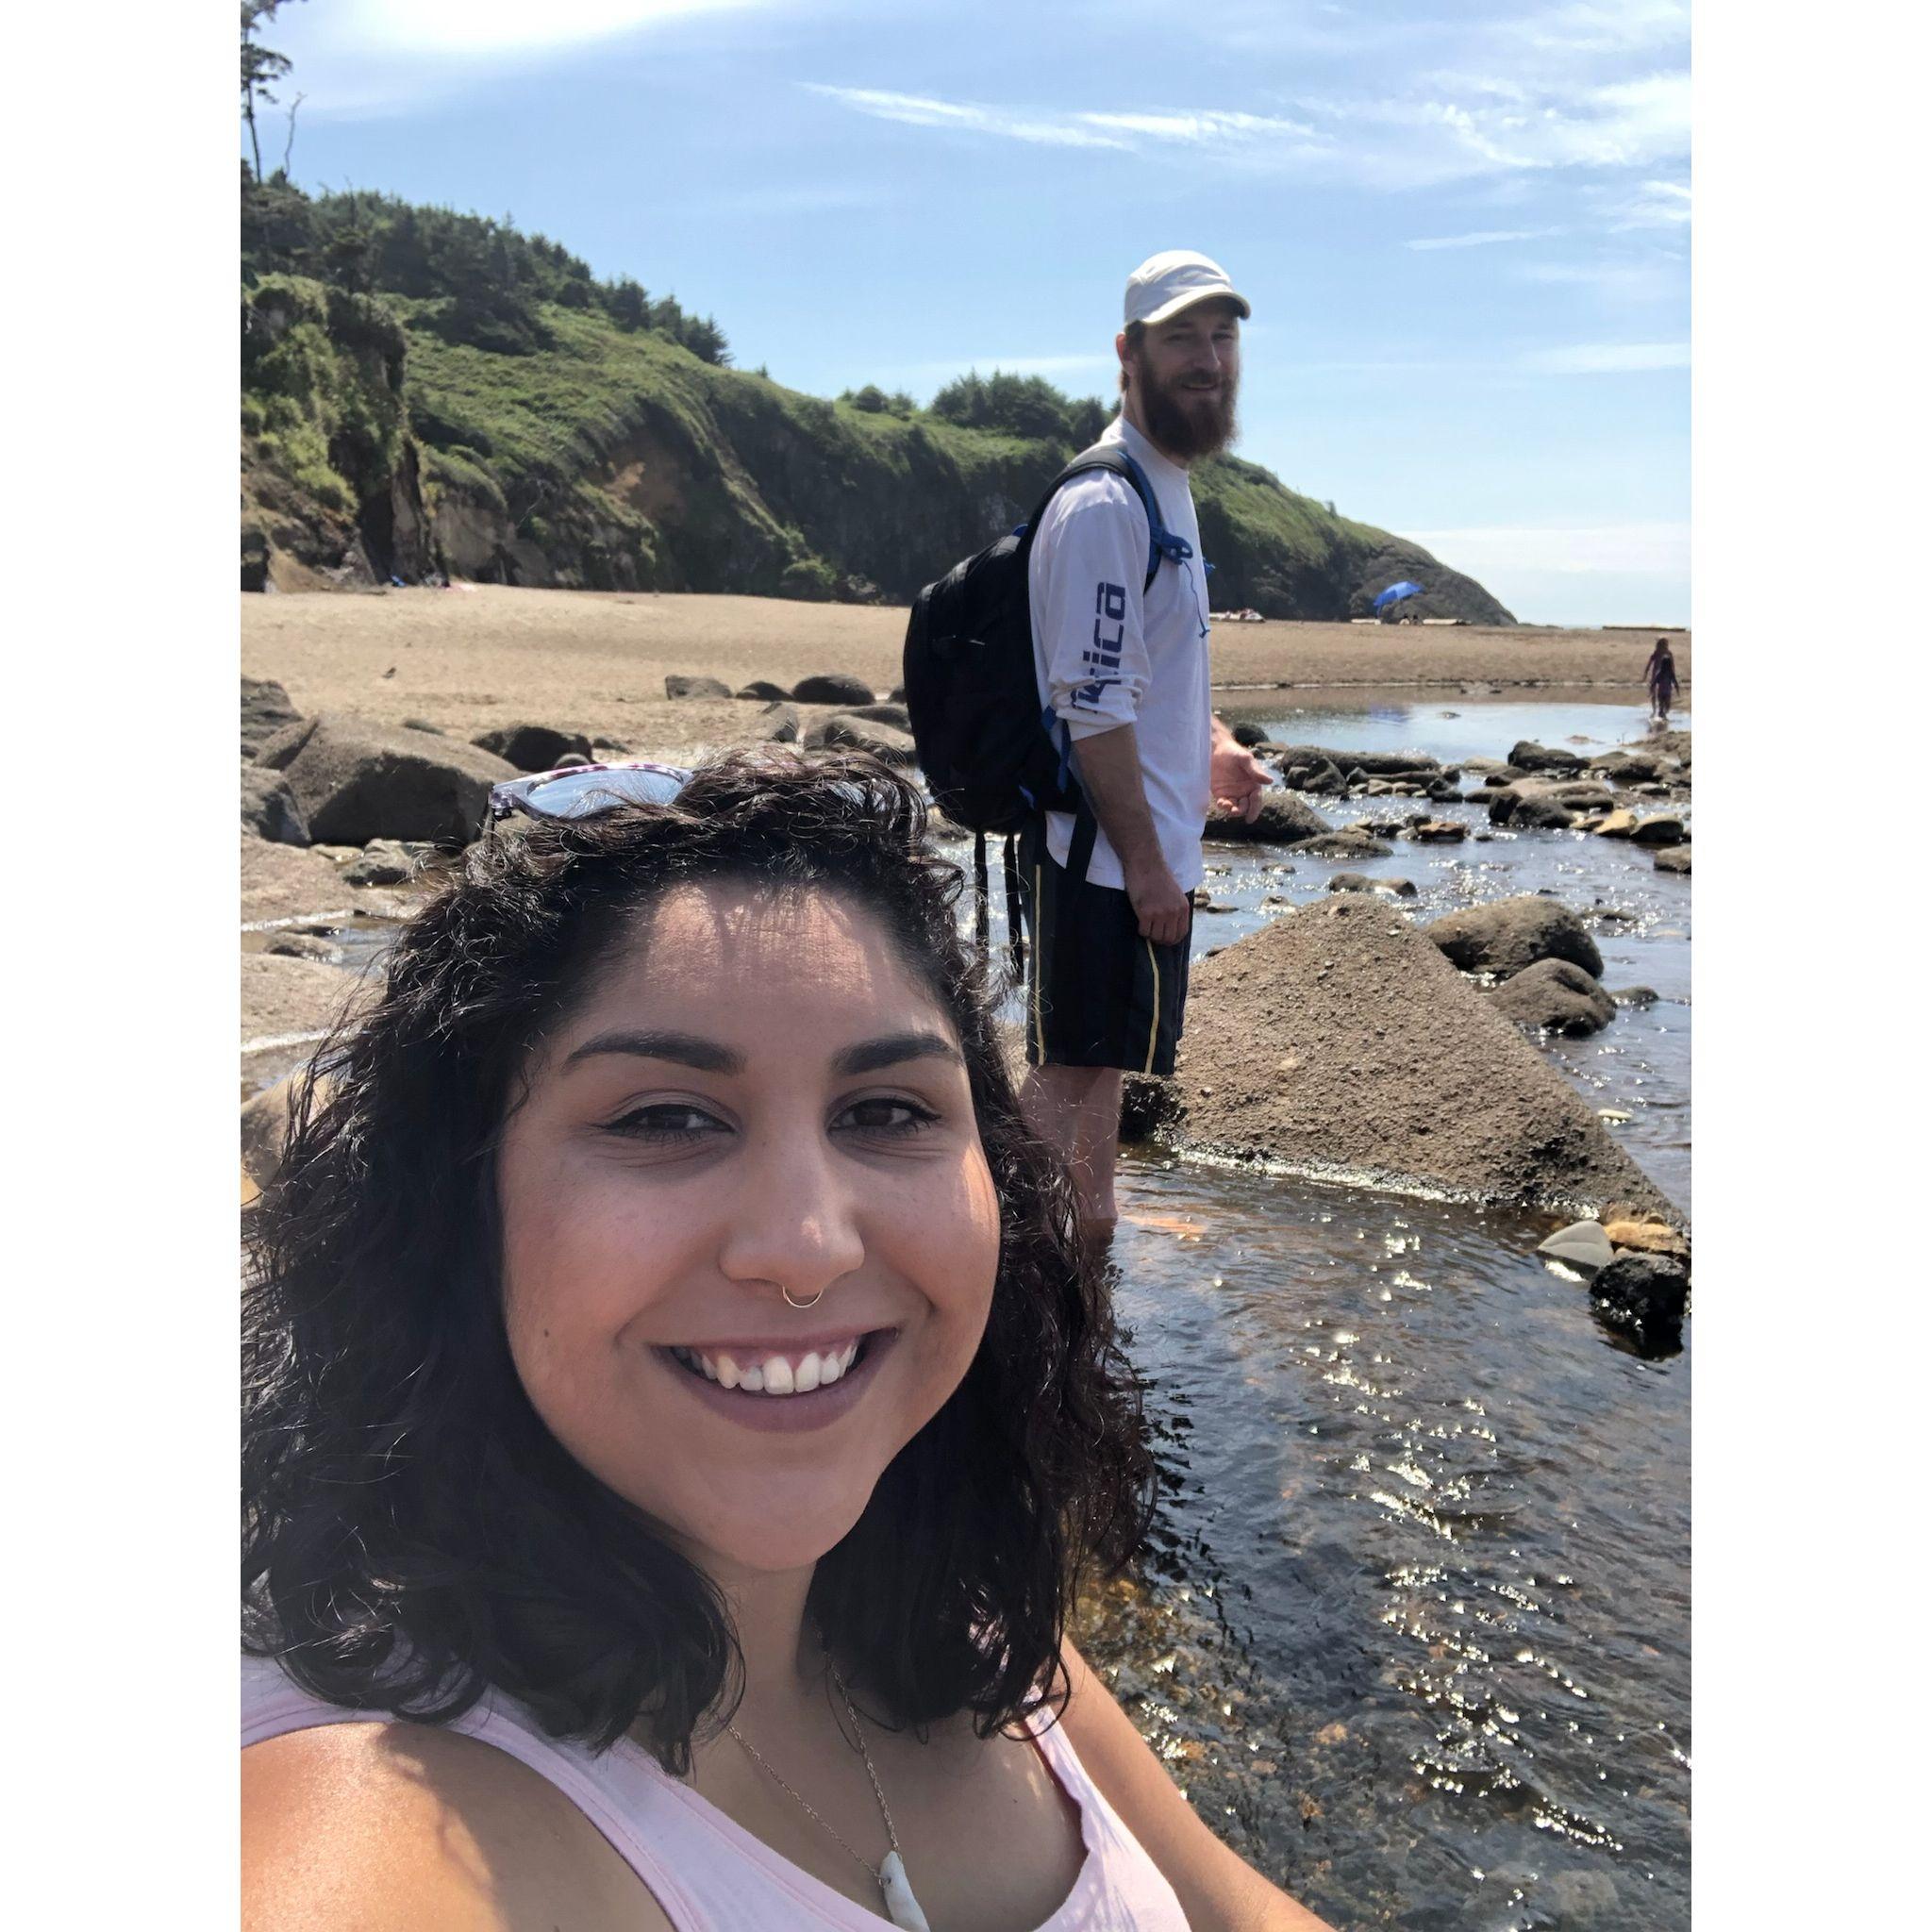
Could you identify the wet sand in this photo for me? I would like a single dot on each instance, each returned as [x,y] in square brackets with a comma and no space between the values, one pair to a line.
[592,661]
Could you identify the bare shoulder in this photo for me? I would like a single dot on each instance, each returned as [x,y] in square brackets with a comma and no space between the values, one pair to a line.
[396,1827]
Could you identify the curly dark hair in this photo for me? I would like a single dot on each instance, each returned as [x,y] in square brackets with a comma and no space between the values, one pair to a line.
[413,1534]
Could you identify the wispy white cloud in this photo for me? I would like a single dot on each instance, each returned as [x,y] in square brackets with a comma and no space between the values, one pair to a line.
[1608,358]
[1647,205]
[1216,128]
[972,117]
[1482,237]
[1453,128]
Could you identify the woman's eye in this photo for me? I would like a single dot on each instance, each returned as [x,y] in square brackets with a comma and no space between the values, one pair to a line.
[669,1121]
[887,1116]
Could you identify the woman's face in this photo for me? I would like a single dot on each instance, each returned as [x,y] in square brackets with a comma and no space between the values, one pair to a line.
[755,1098]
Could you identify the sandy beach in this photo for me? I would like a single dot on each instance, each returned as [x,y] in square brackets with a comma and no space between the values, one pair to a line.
[468,659]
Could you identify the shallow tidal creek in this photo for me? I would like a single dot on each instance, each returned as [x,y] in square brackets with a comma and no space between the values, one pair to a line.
[1414,1631]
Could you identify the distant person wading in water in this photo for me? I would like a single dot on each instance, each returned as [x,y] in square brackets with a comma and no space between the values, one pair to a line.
[1121,660]
[1660,677]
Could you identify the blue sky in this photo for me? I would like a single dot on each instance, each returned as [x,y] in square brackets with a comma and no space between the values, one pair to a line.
[1464,227]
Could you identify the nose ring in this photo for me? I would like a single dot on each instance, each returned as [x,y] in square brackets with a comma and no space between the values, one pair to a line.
[790,1304]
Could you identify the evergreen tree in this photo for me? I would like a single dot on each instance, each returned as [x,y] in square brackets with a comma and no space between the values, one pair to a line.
[261,67]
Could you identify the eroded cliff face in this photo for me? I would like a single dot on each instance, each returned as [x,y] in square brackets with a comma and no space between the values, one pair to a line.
[691,477]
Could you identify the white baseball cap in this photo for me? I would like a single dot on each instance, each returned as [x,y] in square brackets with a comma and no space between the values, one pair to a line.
[1174,279]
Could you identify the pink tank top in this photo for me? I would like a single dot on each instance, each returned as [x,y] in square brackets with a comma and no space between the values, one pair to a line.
[709,1873]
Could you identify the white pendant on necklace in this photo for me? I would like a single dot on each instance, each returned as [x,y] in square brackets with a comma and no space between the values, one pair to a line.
[901,1906]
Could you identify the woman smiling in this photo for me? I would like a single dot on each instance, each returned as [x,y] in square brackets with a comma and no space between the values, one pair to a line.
[677,1414]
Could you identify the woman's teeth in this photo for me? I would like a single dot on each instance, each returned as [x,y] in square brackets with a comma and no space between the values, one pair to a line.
[773,1375]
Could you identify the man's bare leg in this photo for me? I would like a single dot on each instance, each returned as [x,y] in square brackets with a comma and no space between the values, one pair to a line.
[1078,1110]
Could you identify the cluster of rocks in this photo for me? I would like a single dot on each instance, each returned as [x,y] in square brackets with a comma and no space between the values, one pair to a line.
[1638,1266]
[1539,787]
[861,720]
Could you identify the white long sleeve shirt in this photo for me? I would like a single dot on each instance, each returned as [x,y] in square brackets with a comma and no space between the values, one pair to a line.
[1106,656]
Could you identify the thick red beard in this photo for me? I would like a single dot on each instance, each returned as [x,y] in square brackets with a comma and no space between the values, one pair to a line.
[1186,424]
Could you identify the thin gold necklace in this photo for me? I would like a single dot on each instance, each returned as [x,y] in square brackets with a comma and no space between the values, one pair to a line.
[902,1908]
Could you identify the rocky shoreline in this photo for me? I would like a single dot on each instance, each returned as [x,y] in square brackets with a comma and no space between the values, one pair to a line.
[1342,1040]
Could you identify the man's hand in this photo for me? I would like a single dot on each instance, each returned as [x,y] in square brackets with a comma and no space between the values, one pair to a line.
[1237,778]
[1159,903]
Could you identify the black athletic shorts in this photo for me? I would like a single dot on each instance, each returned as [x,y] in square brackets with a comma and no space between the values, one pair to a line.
[1097,994]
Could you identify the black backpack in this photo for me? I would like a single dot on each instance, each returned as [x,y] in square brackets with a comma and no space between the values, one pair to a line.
[991,757]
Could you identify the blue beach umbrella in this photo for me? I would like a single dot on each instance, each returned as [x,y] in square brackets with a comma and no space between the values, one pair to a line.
[1397,593]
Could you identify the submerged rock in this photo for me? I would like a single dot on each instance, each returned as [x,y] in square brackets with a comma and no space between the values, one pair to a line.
[1361,882]
[1349,842]
[1673,858]
[1555,997]
[1339,1040]
[1439,832]
[1507,934]
[356,780]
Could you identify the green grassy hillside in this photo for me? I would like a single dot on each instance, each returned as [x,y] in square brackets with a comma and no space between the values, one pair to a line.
[505,425]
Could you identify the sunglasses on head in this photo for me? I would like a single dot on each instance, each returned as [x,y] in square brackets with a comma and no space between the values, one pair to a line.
[581,791]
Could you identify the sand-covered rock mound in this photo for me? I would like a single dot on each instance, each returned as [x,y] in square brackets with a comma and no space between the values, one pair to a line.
[1339,1040]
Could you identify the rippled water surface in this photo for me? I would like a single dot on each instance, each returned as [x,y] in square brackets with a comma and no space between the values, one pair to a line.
[1416,1633]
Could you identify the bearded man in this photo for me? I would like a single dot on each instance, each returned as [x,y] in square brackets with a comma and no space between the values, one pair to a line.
[1123,661]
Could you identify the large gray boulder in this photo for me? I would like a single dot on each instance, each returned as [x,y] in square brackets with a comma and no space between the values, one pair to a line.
[356,780]
[1507,934]
[536,747]
[842,731]
[1338,1041]
[265,710]
[268,809]
[833,688]
[1282,821]
[1555,997]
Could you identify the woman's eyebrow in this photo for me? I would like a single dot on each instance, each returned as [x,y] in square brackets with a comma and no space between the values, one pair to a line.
[893,1049]
[685,1049]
